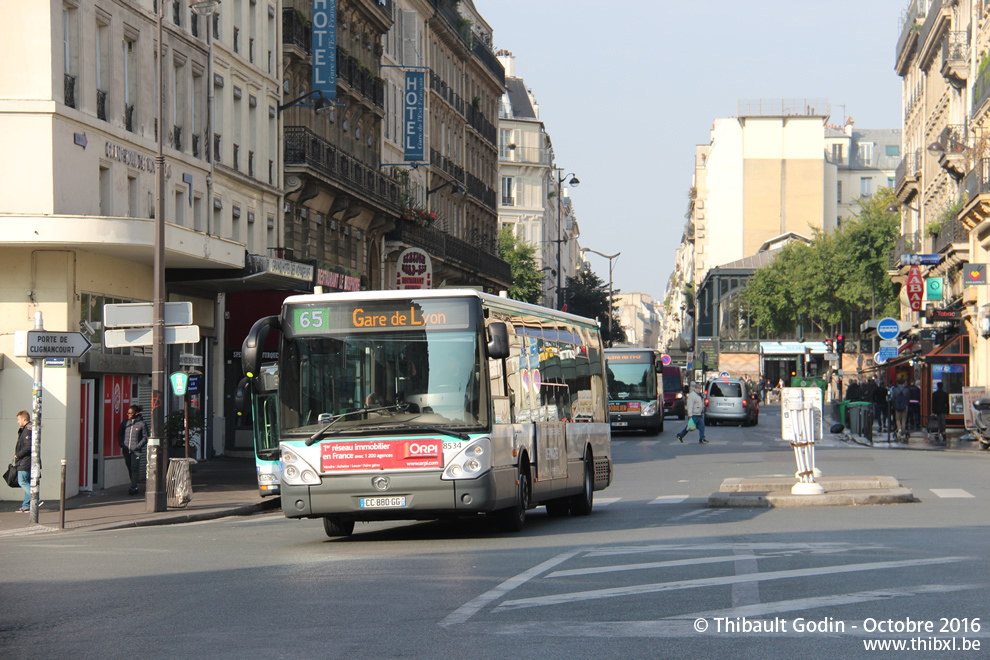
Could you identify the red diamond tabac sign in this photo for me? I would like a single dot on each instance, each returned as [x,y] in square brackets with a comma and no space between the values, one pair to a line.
[915,288]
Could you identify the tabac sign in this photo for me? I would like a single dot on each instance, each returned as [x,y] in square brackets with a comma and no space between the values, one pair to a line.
[915,288]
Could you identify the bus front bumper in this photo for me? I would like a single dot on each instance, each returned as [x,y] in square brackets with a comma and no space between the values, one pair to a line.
[424,496]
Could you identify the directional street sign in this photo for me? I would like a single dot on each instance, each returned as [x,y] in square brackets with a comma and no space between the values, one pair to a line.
[121,337]
[887,353]
[43,343]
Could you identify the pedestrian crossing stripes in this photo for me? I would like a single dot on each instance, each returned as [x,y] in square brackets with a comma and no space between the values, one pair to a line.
[951,492]
[669,499]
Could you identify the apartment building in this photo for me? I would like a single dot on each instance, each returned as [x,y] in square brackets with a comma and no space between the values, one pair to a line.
[865,159]
[640,316]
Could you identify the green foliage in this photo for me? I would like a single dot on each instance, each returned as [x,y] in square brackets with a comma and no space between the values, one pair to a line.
[526,277]
[836,275]
[587,295]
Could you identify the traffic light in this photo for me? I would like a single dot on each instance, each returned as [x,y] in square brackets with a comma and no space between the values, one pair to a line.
[828,345]
[840,344]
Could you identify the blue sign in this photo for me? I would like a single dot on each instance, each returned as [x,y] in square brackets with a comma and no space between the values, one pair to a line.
[888,328]
[412,117]
[920,259]
[325,48]
[192,387]
[887,353]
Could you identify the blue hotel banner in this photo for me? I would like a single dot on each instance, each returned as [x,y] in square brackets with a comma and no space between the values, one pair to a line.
[412,119]
[325,48]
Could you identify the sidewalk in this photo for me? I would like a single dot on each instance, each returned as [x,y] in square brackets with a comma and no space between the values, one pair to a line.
[221,487]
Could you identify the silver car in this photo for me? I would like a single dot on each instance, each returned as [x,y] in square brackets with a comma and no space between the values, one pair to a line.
[726,401]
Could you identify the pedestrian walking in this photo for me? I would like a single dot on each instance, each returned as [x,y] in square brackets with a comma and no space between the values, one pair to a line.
[133,438]
[22,454]
[696,413]
[880,406]
[900,400]
[762,387]
[940,408]
[914,406]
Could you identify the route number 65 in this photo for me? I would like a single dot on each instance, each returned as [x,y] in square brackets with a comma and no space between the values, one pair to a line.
[311,319]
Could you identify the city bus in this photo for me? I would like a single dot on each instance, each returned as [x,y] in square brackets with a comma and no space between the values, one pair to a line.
[635,389]
[418,405]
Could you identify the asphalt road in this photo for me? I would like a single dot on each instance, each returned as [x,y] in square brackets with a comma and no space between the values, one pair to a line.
[652,573]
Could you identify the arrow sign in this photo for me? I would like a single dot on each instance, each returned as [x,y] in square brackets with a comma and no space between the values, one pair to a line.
[42,344]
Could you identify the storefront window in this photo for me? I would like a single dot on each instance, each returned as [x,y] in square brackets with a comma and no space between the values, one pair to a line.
[953,379]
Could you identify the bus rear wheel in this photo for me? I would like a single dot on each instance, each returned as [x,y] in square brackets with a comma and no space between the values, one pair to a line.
[582,503]
[335,527]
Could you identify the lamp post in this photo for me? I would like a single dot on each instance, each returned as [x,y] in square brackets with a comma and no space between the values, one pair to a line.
[560,221]
[610,257]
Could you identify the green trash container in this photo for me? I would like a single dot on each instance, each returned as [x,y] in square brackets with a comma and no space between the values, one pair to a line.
[840,408]
[858,412]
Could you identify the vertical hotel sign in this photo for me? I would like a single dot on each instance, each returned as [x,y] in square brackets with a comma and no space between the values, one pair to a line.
[325,48]
[413,115]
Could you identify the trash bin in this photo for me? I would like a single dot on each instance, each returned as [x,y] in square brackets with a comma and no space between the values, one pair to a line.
[178,484]
[839,412]
[859,417]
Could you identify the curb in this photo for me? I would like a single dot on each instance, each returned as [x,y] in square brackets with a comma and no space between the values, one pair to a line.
[778,484]
[244,510]
[783,499]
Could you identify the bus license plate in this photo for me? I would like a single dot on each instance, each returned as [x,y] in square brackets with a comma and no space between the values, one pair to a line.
[382,502]
[620,423]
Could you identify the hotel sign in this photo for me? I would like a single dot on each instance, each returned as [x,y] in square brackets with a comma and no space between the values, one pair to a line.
[325,48]
[133,159]
[413,113]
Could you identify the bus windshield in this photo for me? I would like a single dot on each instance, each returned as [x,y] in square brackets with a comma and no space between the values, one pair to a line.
[631,377]
[364,356]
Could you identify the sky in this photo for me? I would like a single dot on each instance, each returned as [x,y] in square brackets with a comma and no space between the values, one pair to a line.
[627,88]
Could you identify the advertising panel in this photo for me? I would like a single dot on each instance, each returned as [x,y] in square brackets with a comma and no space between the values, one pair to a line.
[412,121]
[381,455]
[324,48]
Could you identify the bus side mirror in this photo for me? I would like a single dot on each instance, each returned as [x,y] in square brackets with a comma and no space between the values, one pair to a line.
[241,396]
[254,343]
[498,342]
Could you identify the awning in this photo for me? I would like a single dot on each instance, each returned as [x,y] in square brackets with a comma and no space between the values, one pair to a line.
[791,347]
[260,273]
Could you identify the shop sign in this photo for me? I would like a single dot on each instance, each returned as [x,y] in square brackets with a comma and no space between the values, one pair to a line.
[414,270]
[915,288]
[934,315]
[324,48]
[413,116]
[920,259]
[329,279]
[291,269]
[974,274]
[934,288]
[132,158]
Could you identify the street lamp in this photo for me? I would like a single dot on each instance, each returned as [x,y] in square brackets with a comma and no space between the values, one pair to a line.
[560,188]
[610,257]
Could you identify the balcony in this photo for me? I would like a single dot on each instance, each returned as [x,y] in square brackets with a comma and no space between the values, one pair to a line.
[908,41]
[439,161]
[303,147]
[295,31]
[981,93]
[489,60]
[447,93]
[101,104]
[477,189]
[953,231]
[508,201]
[69,90]
[477,121]
[954,146]
[906,244]
[907,177]
[955,58]
[360,79]
[976,187]
[445,247]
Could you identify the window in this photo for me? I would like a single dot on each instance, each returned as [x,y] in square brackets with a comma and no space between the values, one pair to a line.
[504,139]
[836,153]
[70,55]
[130,83]
[890,182]
[866,186]
[839,196]
[102,69]
[866,152]
[893,150]
[132,197]
[180,208]
[106,192]
[507,185]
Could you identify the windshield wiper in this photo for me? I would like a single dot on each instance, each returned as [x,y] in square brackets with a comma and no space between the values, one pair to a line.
[435,429]
[360,411]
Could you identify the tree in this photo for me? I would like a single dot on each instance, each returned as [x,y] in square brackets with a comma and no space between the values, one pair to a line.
[587,295]
[527,279]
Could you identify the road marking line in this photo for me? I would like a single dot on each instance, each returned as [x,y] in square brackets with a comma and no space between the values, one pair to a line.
[745,593]
[469,609]
[697,561]
[605,501]
[729,547]
[670,499]
[950,492]
[639,589]
[752,443]
[780,606]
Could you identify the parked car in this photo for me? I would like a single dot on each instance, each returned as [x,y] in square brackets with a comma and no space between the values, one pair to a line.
[726,400]
[674,395]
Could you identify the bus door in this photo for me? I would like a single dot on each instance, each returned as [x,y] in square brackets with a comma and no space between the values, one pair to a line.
[551,439]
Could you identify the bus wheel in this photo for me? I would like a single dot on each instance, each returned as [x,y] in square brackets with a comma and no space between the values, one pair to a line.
[335,527]
[558,508]
[582,502]
[513,518]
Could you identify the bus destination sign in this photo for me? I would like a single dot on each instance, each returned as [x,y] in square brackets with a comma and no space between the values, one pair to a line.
[378,316]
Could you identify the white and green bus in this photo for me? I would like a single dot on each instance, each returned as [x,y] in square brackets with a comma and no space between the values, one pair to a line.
[419,405]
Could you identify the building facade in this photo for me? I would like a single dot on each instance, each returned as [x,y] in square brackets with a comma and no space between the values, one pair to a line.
[639,315]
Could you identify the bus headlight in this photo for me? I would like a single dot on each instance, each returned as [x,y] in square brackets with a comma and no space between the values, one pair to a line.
[472,461]
[296,471]
[650,408]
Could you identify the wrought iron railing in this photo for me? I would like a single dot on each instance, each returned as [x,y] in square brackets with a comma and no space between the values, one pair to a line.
[441,244]
[906,244]
[910,165]
[359,78]
[447,165]
[446,92]
[952,231]
[177,138]
[909,26]
[237,157]
[129,117]
[955,48]
[508,201]
[477,121]
[295,32]
[251,164]
[217,153]
[304,147]
[195,146]
[488,59]
[101,104]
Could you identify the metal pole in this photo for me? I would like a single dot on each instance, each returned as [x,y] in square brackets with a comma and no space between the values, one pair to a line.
[39,369]
[610,309]
[560,193]
[155,488]
[61,499]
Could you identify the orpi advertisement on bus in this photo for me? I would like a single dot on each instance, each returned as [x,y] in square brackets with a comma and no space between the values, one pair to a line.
[381,455]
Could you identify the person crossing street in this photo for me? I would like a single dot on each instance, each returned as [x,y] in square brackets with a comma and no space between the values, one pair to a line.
[696,413]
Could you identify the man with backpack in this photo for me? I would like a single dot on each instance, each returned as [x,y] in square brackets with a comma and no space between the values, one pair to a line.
[900,399]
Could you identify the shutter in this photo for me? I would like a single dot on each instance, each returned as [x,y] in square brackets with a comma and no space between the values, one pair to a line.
[409,45]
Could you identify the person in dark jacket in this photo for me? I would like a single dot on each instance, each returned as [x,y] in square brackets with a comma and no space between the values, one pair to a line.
[133,438]
[22,454]
[940,408]
[880,406]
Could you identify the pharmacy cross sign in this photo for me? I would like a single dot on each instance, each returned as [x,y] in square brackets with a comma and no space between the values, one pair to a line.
[915,288]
